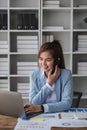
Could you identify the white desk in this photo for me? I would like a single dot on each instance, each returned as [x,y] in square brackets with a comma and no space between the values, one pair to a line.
[55,121]
[8,123]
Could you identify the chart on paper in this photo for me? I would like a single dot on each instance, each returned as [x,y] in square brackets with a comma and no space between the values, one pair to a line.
[32,125]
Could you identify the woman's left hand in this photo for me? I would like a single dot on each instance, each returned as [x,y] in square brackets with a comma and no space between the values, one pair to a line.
[53,77]
[29,108]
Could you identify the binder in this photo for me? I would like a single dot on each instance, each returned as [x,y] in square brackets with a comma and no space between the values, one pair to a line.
[33,21]
[0,21]
[19,21]
[4,21]
[26,21]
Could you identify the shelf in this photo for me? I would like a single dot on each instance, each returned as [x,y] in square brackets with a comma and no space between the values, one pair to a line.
[23,8]
[79,16]
[84,96]
[64,21]
[80,3]
[19,76]
[58,16]
[80,8]
[79,75]
[26,3]
[4,4]
[24,20]
[62,3]
[24,53]
[56,8]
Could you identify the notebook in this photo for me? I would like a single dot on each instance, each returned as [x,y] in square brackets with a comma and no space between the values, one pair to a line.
[11,104]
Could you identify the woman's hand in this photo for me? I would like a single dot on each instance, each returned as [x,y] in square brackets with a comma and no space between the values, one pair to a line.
[53,77]
[29,108]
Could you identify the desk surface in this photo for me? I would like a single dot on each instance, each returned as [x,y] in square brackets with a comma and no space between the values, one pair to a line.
[8,123]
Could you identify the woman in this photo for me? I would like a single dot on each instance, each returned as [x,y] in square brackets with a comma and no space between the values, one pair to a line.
[50,91]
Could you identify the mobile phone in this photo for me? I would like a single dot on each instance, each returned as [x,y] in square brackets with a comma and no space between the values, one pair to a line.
[56,62]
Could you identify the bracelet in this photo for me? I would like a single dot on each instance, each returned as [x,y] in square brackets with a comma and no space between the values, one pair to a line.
[42,108]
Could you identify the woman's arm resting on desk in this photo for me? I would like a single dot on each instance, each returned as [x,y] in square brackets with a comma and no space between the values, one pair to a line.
[29,108]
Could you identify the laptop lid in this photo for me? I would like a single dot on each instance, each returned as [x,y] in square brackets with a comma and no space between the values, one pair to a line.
[11,103]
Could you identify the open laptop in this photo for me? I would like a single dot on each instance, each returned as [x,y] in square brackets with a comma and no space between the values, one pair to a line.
[11,104]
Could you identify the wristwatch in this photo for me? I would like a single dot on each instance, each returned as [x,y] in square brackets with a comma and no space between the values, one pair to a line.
[42,108]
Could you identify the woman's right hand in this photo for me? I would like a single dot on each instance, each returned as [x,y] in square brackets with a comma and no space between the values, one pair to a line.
[30,108]
[53,77]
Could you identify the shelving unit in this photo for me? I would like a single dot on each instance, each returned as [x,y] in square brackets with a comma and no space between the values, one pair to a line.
[63,20]
[79,54]
[18,13]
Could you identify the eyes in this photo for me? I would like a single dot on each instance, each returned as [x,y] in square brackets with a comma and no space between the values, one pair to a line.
[46,60]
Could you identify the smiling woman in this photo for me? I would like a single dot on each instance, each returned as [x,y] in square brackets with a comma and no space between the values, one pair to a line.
[51,84]
[46,62]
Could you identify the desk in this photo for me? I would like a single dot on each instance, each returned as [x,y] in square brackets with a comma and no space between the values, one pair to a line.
[8,123]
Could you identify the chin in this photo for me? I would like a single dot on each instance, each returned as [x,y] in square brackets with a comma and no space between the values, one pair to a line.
[46,71]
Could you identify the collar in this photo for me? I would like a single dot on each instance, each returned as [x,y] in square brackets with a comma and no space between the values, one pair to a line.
[42,74]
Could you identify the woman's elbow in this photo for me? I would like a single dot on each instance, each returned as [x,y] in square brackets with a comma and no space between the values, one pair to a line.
[69,104]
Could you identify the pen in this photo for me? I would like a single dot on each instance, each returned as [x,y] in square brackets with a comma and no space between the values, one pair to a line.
[60,116]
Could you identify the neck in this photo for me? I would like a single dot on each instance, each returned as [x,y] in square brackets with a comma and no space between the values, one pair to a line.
[46,74]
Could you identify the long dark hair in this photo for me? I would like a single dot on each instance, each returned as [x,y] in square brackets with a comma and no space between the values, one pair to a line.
[55,50]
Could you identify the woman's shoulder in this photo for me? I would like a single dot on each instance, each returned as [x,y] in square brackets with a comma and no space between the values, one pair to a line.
[65,72]
[36,73]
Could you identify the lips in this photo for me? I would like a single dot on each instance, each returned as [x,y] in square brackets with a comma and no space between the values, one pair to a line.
[45,68]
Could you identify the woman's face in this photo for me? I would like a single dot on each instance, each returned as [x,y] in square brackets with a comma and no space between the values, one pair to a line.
[46,61]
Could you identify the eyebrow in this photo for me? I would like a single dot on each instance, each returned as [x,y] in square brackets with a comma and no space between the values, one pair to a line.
[46,58]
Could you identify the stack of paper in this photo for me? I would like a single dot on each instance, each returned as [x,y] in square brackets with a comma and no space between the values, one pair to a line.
[82,43]
[3,47]
[51,3]
[3,66]
[23,88]
[26,68]
[27,44]
[48,38]
[55,28]
[3,84]
[82,68]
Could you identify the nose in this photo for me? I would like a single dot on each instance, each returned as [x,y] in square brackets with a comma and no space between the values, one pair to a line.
[44,62]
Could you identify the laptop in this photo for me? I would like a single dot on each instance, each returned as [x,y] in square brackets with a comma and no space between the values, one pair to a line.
[11,104]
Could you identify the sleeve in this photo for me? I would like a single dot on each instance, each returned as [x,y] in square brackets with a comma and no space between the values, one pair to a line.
[67,94]
[38,94]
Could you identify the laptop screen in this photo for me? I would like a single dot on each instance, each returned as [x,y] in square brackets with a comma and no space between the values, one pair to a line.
[11,104]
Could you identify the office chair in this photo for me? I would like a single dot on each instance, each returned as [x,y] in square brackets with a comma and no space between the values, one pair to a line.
[76,101]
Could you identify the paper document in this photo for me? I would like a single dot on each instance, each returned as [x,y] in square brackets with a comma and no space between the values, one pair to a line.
[70,118]
[73,113]
[32,124]
[49,116]
[80,116]
[66,115]
[68,123]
